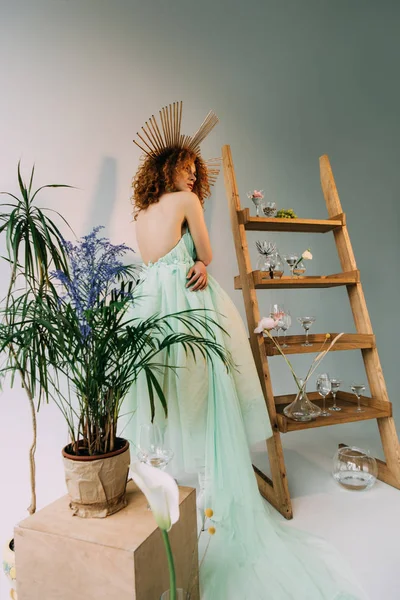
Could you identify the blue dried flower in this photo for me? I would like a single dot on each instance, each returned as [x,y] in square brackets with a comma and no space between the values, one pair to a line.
[94,266]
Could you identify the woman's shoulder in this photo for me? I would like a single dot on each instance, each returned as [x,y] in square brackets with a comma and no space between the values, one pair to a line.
[185,194]
[185,197]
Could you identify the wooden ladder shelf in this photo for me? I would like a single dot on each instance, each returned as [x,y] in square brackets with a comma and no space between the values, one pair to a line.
[276,490]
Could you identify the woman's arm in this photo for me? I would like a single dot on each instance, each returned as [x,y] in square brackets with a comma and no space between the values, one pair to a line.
[194,216]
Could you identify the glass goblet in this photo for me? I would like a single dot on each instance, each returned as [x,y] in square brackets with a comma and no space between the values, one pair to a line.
[276,312]
[285,322]
[306,323]
[257,201]
[324,389]
[291,260]
[358,389]
[151,447]
[335,384]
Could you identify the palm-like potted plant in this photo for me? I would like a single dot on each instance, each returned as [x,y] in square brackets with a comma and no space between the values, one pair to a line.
[94,350]
[34,247]
[99,346]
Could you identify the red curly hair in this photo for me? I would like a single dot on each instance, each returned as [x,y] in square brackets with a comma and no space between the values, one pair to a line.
[156,175]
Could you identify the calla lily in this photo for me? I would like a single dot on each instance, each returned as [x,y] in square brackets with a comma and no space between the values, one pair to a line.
[161,492]
[307,255]
[265,323]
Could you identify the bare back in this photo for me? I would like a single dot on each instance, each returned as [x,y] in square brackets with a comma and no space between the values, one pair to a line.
[160,226]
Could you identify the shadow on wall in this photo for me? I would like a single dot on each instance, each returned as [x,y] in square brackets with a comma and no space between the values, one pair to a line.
[104,197]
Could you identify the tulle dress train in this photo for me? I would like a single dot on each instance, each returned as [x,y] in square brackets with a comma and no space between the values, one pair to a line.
[214,416]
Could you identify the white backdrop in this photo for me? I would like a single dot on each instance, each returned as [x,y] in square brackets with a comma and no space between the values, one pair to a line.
[290,81]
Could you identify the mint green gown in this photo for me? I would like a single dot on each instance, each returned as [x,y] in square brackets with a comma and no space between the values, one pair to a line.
[213,418]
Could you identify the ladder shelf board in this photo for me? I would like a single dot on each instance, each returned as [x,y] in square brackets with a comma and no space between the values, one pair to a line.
[348,341]
[262,280]
[293,225]
[373,409]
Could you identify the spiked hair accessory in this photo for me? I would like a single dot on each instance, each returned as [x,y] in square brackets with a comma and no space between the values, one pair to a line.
[155,138]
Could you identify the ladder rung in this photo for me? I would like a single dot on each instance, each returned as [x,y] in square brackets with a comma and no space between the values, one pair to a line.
[293,225]
[262,280]
[348,341]
[373,409]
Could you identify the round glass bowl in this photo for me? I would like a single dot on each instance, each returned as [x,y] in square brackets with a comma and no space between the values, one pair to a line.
[354,468]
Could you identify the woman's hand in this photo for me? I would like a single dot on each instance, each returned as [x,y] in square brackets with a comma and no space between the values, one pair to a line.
[197,276]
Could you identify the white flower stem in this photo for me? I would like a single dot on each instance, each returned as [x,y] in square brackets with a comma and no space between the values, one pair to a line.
[171,566]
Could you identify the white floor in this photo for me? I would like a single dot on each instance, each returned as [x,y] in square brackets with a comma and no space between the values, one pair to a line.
[364,526]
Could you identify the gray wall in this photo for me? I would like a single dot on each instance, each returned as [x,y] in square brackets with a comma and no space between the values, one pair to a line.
[290,81]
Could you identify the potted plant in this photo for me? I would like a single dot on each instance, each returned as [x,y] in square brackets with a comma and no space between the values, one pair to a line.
[95,350]
[34,247]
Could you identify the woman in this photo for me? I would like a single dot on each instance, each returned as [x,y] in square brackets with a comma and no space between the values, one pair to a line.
[214,415]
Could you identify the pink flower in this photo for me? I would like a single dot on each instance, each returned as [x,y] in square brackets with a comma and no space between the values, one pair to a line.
[258,194]
[265,323]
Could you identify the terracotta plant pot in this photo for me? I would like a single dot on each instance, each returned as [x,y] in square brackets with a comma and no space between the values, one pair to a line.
[97,484]
[9,567]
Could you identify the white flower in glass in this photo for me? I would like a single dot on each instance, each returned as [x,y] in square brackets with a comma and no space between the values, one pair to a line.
[257,197]
[298,266]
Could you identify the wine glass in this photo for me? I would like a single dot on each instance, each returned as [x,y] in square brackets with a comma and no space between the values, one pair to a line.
[335,385]
[358,389]
[324,388]
[306,322]
[291,260]
[276,312]
[257,201]
[285,321]
[151,447]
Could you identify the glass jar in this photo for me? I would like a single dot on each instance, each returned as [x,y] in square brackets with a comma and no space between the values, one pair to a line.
[269,209]
[302,409]
[266,263]
[354,468]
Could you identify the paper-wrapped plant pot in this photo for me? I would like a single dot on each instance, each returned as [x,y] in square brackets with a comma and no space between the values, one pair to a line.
[97,484]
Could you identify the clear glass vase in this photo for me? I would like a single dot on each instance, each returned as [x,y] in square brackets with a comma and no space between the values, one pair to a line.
[180,595]
[266,264]
[299,270]
[302,409]
[269,209]
[354,468]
